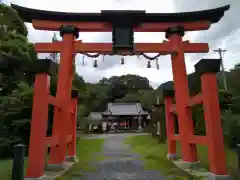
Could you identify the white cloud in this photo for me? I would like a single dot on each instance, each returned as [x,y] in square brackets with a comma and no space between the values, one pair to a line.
[133,65]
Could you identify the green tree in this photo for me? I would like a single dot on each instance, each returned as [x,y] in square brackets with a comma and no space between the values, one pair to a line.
[18,53]
[16,78]
[10,22]
[15,118]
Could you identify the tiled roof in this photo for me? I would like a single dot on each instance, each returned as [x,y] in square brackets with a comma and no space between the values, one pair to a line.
[124,109]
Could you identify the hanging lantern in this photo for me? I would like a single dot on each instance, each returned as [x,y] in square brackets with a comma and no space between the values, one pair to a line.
[95,63]
[122,60]
[149,64]
[157,64]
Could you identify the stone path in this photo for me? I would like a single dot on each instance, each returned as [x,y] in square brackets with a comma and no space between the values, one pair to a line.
[121,163]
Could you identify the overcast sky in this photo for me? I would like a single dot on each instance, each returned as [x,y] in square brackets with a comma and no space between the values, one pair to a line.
[225,34]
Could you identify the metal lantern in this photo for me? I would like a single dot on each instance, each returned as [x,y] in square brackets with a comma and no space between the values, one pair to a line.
[122,60]
[95,63]
[149,64]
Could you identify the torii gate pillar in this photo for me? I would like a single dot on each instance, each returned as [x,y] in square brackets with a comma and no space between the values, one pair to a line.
[189,151]
[61,115]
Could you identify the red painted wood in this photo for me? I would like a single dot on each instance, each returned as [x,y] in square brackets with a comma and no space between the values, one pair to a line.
[105,27]
[212,114]
[189,151]
[37,144]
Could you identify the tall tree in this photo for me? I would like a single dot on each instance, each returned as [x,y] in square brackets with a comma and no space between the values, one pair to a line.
[16,57]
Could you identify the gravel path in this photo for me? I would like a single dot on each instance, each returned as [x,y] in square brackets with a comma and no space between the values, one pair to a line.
[122,164]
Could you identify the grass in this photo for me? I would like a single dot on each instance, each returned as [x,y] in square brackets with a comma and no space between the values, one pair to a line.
[6,168]
[154,156]
[230,156]
[86,149]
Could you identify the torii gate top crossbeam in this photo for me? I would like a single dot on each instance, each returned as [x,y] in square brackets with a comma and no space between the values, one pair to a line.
[129,18]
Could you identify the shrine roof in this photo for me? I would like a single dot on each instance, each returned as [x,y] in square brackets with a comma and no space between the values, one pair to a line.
[212,15]
[124,109]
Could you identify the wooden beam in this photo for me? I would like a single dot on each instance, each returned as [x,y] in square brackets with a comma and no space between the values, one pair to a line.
[52,141]
[69,138]
[107,27]
[163,48]
[195,100]
[162,27]
[48,47]
[53,100]
[196,139]
[176,137]
[196,47]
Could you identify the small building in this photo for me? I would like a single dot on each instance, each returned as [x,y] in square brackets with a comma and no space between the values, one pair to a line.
[119,116]
[125,116]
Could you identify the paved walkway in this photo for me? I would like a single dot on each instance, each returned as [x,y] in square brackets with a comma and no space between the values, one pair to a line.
[122,164]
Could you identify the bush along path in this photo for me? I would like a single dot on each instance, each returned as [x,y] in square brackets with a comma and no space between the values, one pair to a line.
[121,163]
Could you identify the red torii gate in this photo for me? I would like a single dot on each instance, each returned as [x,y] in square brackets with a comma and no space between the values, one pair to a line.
[207,69]
[122,24]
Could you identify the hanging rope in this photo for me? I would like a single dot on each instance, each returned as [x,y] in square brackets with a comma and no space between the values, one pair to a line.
[150,58]
[95,64]
[92,55]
